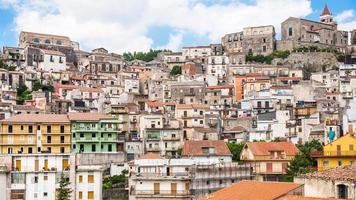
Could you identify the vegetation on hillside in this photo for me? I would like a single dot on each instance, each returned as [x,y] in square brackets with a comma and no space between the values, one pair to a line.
[145,56]
[267,59]
[23,94]
[37,85]
[3,65]
[303,163]
[117,181]
[176,70]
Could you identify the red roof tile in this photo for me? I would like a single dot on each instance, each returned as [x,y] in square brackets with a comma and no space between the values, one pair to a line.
[253,190]
[195,148]
[264,148]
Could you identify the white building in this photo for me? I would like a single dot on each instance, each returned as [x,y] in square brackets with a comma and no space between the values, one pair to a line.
[53,61]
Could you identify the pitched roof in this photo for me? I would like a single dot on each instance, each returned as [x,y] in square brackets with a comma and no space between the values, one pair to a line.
[37,118]
[195,148]
[326,11]
[251,190]
[264,148]
[344,173]
[87,116]
[295,197]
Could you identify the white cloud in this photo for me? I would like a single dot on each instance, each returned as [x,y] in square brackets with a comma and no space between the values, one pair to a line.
[123,25]
[174,42]
[346,20]
[344,15]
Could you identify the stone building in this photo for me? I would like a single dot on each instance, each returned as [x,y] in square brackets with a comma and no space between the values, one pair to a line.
[255,40]
[296,32]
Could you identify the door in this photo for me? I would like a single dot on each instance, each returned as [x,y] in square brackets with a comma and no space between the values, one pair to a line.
[173,188]
[65,164]
[187,188]
[18,165]
[269,167]
[37,165]
[156,188]
[45,164]
[284,167]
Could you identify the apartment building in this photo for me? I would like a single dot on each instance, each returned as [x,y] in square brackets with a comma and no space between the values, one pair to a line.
[154,177]
[191,116]
[95,132]
[35,133]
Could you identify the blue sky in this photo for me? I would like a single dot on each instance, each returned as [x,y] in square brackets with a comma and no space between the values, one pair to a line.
[128,25]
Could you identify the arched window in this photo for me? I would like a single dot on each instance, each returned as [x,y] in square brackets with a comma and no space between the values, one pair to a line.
[59,42]
[47,41]
[36,40]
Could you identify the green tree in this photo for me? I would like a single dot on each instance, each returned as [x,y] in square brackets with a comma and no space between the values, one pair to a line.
[303,162]
[145,56]
[23,94]
[64,189]
[3,65]
[176,70]
[37,85]
[235,149]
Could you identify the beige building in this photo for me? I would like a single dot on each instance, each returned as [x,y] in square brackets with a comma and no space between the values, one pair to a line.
[296,32]
[270,159]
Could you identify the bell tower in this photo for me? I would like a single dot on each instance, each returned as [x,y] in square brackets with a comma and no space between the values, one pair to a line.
[326,16]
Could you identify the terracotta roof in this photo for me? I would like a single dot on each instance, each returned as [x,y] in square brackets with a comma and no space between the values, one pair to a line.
[253,190]
[195,148]
[264,148]
[150,156]
[82,89]
[326,11]
[87,116]
[344,173]
[289,78]
[295,197]
[37,118]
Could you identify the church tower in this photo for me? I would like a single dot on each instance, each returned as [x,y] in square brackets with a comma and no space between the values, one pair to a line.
[326,16]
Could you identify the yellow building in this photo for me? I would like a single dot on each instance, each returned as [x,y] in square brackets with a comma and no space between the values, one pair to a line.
[341,152]
[35,133]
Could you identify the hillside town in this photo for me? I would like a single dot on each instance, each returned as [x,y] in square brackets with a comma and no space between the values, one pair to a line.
[251,117]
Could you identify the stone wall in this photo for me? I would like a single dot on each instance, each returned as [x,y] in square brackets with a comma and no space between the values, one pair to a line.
[314,59]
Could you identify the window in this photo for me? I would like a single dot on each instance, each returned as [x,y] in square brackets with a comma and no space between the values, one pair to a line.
[62,129]
[80,179]
[81,148]
[21,127]
[93,147]
[90,195]
[90,178]
[109,147]
[49,129]
[80,195]
[49,139]
[9,129]
[30,129]
[45,178]
[36,179]
[51,59]
[62,139]
[62,149]
[93,135]
[352,163]
[45,194]
[290,31]
[36,40]
[351,147]
[30,150]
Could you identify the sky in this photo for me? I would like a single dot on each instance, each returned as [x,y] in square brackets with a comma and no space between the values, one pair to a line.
[138,25]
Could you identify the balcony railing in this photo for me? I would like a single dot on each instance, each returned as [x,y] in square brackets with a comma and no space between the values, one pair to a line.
[332,153]
[163,192]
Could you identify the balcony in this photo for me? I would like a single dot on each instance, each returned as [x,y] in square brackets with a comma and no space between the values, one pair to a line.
[163,193]
[333,154]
